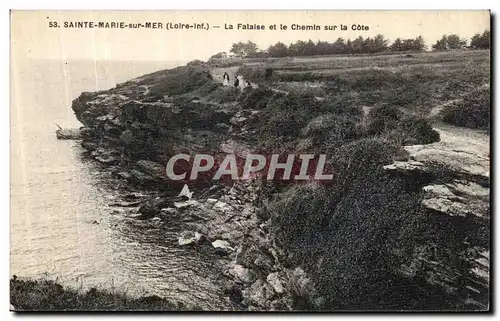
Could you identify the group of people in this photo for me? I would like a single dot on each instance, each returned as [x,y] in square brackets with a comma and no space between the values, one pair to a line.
[238,82]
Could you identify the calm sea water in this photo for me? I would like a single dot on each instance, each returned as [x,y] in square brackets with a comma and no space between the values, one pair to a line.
[62,223]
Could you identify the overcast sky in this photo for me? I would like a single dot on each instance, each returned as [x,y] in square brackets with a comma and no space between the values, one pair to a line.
[31,36]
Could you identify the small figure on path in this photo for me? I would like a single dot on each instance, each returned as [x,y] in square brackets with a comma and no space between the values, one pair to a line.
[225,80]
[241,82]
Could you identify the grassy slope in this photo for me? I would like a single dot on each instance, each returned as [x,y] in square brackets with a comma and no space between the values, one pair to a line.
[416,82]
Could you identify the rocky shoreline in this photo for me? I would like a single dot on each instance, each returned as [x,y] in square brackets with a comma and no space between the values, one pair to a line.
[132,132]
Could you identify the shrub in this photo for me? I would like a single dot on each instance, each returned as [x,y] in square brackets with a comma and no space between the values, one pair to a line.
[472,112]
[330,130]
[414,130]
[269,73]
[346,104]
[258,98]
[383,119]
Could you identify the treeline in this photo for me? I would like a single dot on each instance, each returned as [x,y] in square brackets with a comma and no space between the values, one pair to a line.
[359,45]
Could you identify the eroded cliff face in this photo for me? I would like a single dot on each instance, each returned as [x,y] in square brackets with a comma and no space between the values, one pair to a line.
[455,177]
[136,127]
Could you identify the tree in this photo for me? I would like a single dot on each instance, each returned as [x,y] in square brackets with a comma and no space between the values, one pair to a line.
[339,46]
[348,46]
[297,48]
[454,42]
[244,49]
[479,41]
[357,45]
[380,43]
[310,48]
[449,42]
[419,44]
[238,49]
[250,48]
[441,44]
[278,50]
[397,45]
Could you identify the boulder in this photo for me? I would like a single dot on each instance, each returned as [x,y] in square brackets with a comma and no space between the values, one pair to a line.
[222,247]
[258,293]
[169,210]
[186,204]
[211,200]
[274,281]
[153,207]
[243,274]
[186,238]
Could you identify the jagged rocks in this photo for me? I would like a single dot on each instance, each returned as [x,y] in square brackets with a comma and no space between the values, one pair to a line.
[258,294]
[222,247]
[68,134]
[189,237]
[274,280]
[457,199]
[242,274]
[170,211]
[186,204]
[223,207]
[467,167]
[153,207]
[406,167]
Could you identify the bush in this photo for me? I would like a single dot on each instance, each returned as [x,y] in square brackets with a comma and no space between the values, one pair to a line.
[345,104]
[285,116]
[330,130]
[472,112]
[269,73]
[389,122]
[414,130]
[258,98]
[383,119]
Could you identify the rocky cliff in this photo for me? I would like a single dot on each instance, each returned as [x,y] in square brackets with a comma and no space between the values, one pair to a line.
[135,127]
[455,179]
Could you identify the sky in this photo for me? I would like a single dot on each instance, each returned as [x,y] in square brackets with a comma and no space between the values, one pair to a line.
[32,37]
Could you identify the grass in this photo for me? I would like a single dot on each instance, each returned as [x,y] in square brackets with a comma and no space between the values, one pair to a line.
[47,295]
[416,83]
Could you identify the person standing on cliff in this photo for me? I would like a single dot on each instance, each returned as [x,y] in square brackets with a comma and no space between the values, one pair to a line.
[225,78]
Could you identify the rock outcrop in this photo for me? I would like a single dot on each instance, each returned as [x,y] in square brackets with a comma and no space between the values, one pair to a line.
[453,175]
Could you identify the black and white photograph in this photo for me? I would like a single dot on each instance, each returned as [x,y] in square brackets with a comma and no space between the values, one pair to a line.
[250,161]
